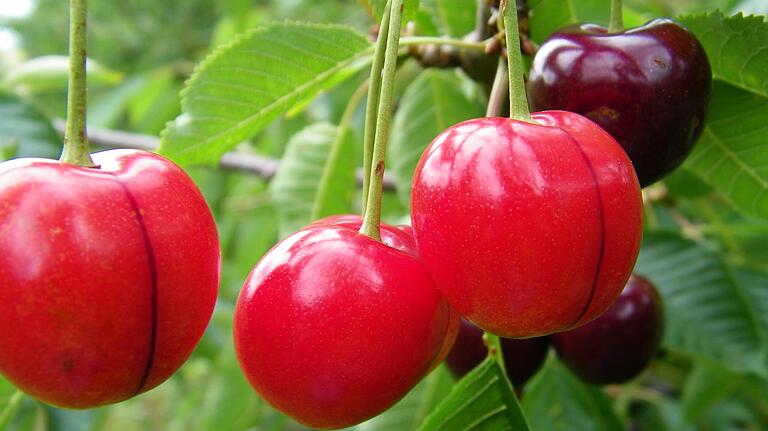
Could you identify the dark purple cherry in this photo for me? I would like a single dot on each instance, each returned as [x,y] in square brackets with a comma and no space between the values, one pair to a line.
[618,345]
[522,357]
[647,86]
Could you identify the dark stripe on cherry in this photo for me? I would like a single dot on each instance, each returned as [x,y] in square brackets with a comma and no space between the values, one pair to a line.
[152,264]
[601,215]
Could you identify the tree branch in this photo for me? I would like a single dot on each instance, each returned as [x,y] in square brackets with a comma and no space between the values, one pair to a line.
[264,167]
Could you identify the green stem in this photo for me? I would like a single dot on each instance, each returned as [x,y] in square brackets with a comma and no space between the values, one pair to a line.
[335,151]
[372,104]
[494,349]
[518,101]
[372,217]
[616,24]
[459,43]
[10,409]
[75,140]
[498,91]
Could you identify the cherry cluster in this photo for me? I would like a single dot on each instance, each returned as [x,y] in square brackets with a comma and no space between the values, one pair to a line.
[528,228]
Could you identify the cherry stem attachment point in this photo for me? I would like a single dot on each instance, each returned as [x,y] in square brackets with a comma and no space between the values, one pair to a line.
[518,101]
[616,24]
[76,149]
[372,215]
[372,104]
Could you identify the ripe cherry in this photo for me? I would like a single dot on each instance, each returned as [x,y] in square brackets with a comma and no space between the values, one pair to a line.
[109,275]
[618,345]
[401,238]
[648,87]
[333,327]
[522,358]
[527,228]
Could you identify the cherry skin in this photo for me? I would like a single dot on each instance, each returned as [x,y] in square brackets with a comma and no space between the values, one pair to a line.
[522,358]
[109,275]
[618,345]
[401,238]
[333,328]
[647,86]
[526,228]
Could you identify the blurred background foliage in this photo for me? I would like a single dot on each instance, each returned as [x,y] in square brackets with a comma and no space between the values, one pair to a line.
[146,49]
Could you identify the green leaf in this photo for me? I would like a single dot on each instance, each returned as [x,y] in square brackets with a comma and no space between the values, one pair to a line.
[482,400]
[50,73]
[707,385]
[409,412]
[732,153]
[454,17]
[736,47]
[296,186]
[557,400]
[433,102]
[242,87]
[707,312]
[25,132]
[755,285]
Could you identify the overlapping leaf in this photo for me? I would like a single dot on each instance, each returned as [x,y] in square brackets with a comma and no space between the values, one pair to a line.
[557,400]
[736,47]
[24,131]
[242,87]
[296,186]
[732,153]
[482,400]
[708,313]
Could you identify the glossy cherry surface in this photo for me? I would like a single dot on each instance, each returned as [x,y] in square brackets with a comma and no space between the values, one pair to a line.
[647,86]
[108,275]
[618,345]
[522,358]
[401,238]
[333,328]
[527,229]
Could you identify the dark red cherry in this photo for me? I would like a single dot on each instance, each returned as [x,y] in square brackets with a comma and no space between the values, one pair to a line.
[647,86]
[333,328]
[527,228]
[522,358]
[619,344]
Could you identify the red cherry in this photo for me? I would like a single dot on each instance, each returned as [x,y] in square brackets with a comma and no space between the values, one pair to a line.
[618,345]
[527,229]
[401,238]
[333,328]
[109,275]
[647,86]
[522,358]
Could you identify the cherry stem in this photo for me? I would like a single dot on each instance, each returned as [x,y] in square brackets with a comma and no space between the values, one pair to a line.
[76,149]
[616,24]
[372,104]
[494,349]
[498,90]
[458,43]
[518,101]
[335,151]
[372,216]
